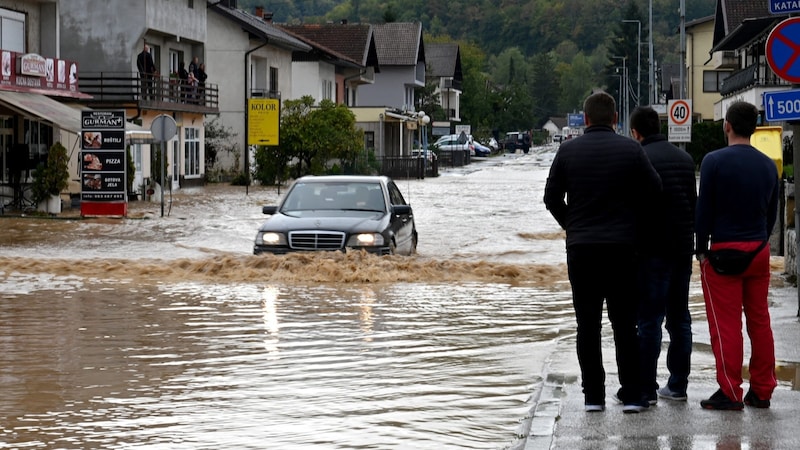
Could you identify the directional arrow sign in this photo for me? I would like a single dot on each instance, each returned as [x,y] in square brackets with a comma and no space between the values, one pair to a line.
[782,105]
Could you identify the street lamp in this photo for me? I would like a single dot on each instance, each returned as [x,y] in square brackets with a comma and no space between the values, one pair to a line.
[638,61]
[424,120]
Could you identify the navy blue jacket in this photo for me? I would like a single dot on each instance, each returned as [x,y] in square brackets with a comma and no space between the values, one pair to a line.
[597,187]
[738,198]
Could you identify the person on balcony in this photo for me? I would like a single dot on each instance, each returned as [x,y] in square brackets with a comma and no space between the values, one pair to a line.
[183,74]
[147,72]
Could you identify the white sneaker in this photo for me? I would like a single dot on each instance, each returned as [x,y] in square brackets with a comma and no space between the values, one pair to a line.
[669,394]
[594,408]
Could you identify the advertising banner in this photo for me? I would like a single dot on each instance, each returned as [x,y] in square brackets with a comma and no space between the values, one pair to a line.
[103,168]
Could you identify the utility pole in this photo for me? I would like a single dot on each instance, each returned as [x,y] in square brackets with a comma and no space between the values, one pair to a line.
[638,62]
[651,87]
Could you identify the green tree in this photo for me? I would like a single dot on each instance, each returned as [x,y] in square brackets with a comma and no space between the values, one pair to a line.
[544,87]
[323,139]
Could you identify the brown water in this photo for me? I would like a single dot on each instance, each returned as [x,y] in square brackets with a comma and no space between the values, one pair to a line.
[154,332]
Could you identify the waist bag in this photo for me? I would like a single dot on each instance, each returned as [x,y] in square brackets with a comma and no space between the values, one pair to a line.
[729,261]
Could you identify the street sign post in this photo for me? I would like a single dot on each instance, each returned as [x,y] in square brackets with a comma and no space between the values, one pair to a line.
[783,50]
[163,128]
[782,105]
[679,113]
[784,6]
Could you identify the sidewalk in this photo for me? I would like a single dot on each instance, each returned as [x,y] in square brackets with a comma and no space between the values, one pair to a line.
[558,421]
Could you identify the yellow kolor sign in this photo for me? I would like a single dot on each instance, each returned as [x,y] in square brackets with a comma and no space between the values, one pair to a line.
[263,121]
[769,141]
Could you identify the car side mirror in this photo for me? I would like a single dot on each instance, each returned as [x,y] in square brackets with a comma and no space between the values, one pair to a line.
[401,209]
[269,210]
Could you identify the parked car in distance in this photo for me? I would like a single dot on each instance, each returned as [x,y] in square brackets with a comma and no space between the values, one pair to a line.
[516,140]
[558,138]
[417,153]
[454,142]
[480,149]
[339,213]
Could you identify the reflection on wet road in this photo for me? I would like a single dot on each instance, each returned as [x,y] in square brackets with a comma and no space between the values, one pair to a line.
[158,332]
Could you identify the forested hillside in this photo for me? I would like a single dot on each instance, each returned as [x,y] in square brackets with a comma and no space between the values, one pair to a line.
[544,54]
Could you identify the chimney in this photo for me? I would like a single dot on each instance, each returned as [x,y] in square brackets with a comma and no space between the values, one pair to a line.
[260,11]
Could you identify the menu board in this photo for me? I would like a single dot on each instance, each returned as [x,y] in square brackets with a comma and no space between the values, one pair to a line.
[103,171]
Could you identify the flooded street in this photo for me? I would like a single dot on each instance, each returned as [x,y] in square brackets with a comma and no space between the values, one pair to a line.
[154,332]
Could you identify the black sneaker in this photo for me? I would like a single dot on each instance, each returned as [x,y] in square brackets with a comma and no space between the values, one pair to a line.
[721,402]
[751,399]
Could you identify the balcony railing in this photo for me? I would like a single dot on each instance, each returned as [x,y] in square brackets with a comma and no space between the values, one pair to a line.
[158,92]
[749,77]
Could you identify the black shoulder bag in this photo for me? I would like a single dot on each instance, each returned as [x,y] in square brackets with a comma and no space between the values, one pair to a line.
[729,261]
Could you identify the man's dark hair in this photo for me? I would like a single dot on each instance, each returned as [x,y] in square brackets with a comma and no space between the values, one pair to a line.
[644,120]
[600,108]
[743,118]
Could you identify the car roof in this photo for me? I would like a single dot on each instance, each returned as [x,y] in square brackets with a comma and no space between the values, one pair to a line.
[344,179]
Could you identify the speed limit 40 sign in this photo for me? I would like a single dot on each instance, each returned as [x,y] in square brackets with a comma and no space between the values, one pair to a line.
[679,113]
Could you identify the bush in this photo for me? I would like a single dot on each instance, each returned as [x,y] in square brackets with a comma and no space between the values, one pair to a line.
[52,177]
[706,137]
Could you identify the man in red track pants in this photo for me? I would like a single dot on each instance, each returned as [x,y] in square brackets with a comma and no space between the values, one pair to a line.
[737,209]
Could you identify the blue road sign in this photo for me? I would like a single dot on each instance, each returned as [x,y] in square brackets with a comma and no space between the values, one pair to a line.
[782,105]
[784,6]
[575,120]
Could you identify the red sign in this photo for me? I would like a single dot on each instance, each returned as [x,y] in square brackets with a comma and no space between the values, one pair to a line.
[33,73]
[783,50]
[679,112]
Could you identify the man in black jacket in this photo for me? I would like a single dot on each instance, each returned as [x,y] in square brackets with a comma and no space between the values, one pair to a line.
[597,188]
[147,71]
[666,250]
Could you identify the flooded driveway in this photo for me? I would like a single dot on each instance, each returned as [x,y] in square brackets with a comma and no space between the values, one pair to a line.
[166,332]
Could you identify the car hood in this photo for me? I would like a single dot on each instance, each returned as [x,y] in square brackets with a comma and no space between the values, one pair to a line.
[347,221]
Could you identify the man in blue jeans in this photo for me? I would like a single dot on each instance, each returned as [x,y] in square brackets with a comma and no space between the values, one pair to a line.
[666,250]
[597,188]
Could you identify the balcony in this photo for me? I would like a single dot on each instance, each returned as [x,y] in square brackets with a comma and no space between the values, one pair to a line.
[724,60]
[750,77]
[128,89]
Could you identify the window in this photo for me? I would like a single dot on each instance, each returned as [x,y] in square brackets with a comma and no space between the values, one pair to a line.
[175,57]
[39,137]
[12,31]
[712,80]
[327,90]
[191,156]
[369,140]
[273,79]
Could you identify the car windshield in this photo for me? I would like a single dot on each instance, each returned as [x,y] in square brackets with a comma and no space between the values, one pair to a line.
[343,196]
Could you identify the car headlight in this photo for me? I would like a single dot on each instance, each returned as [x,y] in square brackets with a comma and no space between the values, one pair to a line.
[270,238]
[365,240]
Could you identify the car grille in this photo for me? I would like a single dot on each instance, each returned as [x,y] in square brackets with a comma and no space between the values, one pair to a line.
[316,240]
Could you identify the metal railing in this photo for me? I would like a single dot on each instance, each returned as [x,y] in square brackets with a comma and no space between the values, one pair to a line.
[749,77]
[156,92]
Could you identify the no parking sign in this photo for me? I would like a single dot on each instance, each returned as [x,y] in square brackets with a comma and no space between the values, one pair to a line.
[783,50]
[679,113]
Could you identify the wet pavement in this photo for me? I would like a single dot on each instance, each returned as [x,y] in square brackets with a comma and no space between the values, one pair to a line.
[557,419]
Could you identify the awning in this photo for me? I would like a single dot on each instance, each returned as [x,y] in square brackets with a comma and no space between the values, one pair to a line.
[44,107]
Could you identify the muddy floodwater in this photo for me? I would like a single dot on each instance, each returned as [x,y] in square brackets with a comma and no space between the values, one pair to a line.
[166,332]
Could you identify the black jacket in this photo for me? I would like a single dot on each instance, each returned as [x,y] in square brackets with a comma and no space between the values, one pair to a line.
[669,221]
[597,187]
